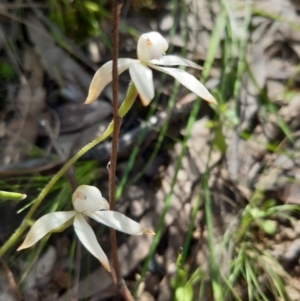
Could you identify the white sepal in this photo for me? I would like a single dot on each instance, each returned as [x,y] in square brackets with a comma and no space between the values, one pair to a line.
[88,199]
[44,225]
[142,78]
[88,238]
[173,60]
[189,81]
[119,222]
[104,76]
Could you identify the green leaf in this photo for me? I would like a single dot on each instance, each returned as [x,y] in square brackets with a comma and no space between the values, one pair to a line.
[14,196]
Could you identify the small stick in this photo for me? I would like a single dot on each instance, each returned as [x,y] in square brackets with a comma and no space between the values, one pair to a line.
[124,291]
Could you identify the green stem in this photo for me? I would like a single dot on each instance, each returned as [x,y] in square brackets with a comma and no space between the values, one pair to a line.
[124,108]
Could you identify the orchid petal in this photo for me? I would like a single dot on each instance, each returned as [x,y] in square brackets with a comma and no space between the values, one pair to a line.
[173,60]
[104,76]
[88,238]
[142,78]
[119,222]
[189,81]
[88,199]
[44,225]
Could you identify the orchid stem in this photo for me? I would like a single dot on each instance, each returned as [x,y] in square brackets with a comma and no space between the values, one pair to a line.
[123,110]
[117,119]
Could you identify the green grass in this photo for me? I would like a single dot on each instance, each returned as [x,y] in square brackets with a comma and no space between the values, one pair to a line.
[79,19]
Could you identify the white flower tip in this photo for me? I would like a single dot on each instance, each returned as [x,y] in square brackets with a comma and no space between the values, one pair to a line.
[211,100]
[88,199]
[22,247]
[148,232]
[27,243]
[100,79]
[144,100]
[151,45]
[89,100]
[106,266]
[93,90]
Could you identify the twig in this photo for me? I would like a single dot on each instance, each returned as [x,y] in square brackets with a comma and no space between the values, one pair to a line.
[116,7]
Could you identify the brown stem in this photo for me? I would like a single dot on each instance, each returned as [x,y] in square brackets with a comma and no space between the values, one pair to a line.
[116,7]
[125,293]
[112,171]
[116,274]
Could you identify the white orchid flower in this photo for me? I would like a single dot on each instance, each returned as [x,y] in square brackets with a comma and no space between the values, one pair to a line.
[88,201]
[151,50]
